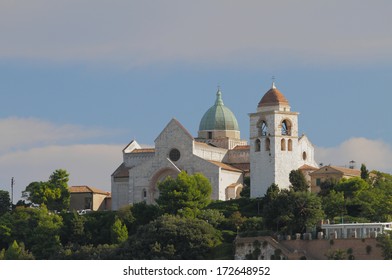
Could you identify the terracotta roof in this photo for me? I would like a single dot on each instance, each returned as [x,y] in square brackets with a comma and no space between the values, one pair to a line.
[225,166]
[145,150]
[307,167]
[87,189]
[347,171]
[246,147]
[241,166]
[273,97]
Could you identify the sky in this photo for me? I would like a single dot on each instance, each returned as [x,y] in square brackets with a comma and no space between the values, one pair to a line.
[80,79]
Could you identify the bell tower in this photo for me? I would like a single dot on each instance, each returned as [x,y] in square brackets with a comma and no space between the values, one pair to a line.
[273,143]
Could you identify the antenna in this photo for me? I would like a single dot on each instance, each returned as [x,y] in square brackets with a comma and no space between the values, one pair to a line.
[12,191]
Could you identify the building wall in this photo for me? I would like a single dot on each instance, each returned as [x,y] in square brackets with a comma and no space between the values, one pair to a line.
[78,201]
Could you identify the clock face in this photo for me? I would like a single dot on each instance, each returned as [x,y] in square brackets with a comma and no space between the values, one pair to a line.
[174,154]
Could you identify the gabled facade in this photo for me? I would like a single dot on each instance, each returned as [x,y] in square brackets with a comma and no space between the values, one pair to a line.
[85,197]
[175,150]
[331,172]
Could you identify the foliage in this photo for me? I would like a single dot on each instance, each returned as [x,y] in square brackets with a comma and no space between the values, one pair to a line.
[364,172]
[188,193]
[385,242]
[334,205]
[327,185]
[54,193]
[119,232]
[298,181]
[212,216]
[174,237]
[5,202]
[246,189]
[337,254]
[291,211]
[16,252]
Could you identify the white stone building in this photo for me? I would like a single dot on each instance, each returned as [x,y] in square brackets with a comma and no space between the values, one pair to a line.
[218,152]
[275,148]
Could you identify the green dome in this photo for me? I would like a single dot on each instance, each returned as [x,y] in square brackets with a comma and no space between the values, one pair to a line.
[218,117]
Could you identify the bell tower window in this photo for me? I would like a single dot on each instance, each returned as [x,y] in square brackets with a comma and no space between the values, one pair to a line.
[290,145]
[283,145]
[257,145]
[267,144]
[263,128]
[286,127]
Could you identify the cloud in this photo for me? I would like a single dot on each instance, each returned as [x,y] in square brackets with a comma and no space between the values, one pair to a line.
[87,164]
[24,133]
[145,32]
[375,154]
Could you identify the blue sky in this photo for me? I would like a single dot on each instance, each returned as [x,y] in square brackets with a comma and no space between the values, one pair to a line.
[80,79]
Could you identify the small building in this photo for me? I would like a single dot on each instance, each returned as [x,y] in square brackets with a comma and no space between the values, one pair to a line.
[355,230]
[331,172]
[85,197]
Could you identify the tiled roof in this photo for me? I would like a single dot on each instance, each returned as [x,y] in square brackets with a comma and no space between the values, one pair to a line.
[273,97]
[87,189]
[245,147]
[348,171]
[145,150]
[307,167]
[225,166]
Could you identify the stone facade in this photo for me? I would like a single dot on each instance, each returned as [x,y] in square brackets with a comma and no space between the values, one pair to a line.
[218,153]
[275,148]
[175,150]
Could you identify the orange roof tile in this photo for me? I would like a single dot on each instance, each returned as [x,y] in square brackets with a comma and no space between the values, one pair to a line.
[225,166]
[86,189]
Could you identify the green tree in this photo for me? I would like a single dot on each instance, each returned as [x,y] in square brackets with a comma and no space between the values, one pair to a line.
[290,211]
[16,252]
[298,181]
[119,232]
[327,185]
[188,193]
[307,210]
[54,193]
[174,237]
[385,242]
[334,205]
[5,202]
[45,239]
[246,189]
[364,172]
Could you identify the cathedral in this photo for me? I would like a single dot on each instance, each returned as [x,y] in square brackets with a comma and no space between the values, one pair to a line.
[219,153]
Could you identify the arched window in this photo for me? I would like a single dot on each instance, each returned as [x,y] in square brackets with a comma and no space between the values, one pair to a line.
[257,145]
[290,145]
[267,144]
[304,155]
[286,127]
[283,145]
[263,128]
[144,194]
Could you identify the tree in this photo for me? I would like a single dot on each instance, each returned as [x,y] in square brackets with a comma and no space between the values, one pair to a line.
[54,193]
[188,193]
[298,181]
[16,252]
[174,237]
[334,205]
[291,211]
[119,232]
[5,202]
[385,242]
[364,172]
